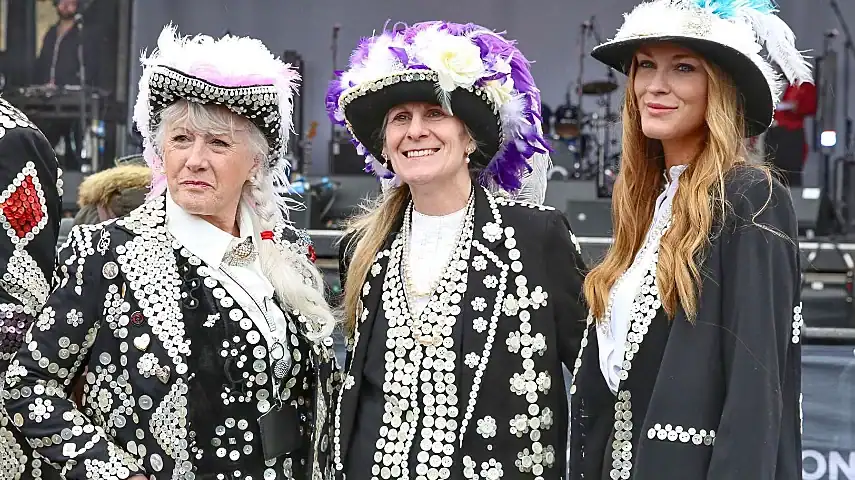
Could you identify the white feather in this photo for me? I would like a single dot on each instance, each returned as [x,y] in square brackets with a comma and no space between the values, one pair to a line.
[444,98]
[533,189]
[780,42]
[512,116]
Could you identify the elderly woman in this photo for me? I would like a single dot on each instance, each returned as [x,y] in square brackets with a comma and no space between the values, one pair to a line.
[458,320]
[198,317]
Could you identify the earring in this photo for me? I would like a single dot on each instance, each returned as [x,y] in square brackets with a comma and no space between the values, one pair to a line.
[467,160]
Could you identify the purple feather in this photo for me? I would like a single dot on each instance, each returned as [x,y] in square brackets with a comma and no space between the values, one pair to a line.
[507,172]
[362,51]
[401,54]
[333,94]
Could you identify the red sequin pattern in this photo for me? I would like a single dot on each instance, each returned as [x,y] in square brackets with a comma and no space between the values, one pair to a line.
[311,253]
[23,208]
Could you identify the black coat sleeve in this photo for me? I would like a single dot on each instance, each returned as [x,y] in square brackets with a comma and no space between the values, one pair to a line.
[566,272]
[345,253]
[55,351]
[760,284]
[29,209]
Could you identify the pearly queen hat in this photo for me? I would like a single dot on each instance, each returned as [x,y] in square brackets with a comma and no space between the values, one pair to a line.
[474,73]
[238,73]
[729,33]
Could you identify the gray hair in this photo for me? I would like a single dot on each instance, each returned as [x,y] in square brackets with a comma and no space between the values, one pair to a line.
[301,286]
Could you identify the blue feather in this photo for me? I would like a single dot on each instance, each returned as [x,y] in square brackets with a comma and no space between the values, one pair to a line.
[730,8]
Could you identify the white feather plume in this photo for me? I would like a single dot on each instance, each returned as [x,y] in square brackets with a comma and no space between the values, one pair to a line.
[534,184]
[780,43]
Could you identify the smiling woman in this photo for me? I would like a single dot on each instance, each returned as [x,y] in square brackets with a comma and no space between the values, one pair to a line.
[458,323]
[691,367]
[670,87]
[428,149]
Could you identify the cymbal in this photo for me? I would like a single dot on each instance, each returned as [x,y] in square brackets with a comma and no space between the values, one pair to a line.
[599,87]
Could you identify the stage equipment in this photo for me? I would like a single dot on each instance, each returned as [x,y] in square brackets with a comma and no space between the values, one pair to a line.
[296,142]
[848,52]
[815,212]
[585,143]
[81,103]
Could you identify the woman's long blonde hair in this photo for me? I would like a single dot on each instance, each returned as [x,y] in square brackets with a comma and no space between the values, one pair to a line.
[699,201]
[366,234]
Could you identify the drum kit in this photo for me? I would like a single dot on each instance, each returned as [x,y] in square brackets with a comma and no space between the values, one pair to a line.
[585,143]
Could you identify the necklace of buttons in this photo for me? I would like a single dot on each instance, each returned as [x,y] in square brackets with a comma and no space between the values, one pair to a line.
[420,358]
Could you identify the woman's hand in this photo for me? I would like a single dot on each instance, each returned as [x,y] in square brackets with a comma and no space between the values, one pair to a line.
[138,477]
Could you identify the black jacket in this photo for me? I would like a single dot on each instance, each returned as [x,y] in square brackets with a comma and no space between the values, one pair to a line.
[163,345]
[30,201]
[717,399]
[510,386]
[67,67]
[31,204]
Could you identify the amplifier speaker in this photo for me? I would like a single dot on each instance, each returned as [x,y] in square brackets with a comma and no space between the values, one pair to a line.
[814,211]
[343,158]
[589,215]
[827,301]
[559,192]
[590,218]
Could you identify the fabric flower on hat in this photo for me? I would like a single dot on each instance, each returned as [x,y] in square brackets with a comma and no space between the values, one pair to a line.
[456,60]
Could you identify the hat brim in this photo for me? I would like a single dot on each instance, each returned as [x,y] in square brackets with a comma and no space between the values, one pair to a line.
[367,115]
[757,102]
[256,103]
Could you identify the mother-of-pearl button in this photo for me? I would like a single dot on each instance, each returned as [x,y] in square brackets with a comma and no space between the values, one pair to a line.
[146,402]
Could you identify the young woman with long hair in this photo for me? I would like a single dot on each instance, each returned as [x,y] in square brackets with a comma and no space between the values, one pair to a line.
[690,366]
[458,320]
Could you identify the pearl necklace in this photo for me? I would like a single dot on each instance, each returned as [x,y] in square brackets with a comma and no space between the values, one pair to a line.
[423,330]
[412,291]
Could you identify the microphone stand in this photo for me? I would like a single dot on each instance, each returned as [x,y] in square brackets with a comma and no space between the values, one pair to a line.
[826,155]
[848,49]
[85,135]
[582,37]
[605,101]
[335,148]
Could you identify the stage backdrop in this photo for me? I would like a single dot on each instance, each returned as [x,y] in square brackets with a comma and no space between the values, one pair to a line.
[828,386]
[548,32]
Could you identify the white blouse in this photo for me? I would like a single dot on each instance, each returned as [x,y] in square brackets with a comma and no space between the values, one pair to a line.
[611,336]
[246,285]
[432,241]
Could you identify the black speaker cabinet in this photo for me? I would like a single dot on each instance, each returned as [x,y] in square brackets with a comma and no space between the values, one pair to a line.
[343,157]
[590,218]
[814,211]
